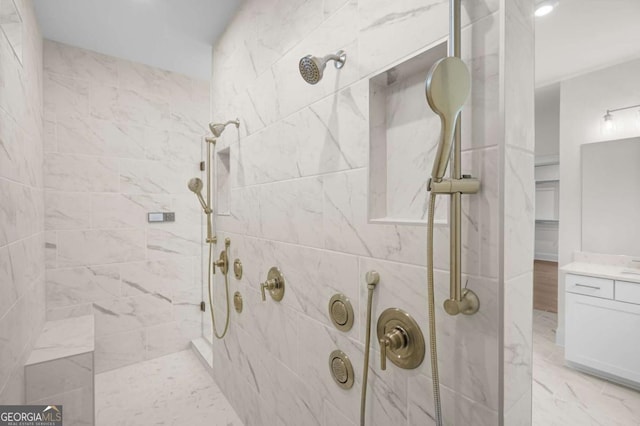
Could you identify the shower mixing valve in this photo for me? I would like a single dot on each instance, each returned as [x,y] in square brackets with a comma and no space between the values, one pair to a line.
[401,340]
[223,262]
[274,284]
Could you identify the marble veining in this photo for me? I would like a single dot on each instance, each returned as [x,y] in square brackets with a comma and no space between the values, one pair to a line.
[22,249]
[122,141]
[171,390]
[564,396]
[63,338]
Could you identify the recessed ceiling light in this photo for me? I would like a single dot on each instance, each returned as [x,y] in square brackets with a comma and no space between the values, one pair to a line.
[545,7]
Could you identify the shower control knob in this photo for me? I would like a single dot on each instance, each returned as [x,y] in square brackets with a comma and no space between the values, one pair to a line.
[222,263]
[393,340]
[274,284]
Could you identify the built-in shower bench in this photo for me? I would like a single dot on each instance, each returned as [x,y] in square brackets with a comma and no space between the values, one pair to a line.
[60,369]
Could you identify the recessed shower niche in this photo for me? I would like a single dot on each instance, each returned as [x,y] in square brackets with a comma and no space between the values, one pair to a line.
[403,137]
[223,181]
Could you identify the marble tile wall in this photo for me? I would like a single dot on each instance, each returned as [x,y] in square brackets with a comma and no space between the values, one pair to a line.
[121,140]
[299,200]
[22,275]
[518,200]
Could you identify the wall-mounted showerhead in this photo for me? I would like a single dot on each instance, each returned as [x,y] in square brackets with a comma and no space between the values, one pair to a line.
[218,128]
[312,67]
[195,185]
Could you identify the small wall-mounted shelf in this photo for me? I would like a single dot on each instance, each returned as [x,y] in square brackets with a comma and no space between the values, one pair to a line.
[403,134]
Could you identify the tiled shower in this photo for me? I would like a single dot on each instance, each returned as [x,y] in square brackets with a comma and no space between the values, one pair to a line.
[326,182]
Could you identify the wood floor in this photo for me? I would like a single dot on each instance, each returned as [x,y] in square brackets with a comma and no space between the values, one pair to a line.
[545,285]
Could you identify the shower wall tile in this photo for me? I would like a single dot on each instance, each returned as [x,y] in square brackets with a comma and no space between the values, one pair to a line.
[77,286]
[456,410]
[124,140]
[22,250]
[389,32]
[79,173]
[299,201]
[100,137]
[519,214]
[67,210]
[79,64]
[288,211]
[96,247]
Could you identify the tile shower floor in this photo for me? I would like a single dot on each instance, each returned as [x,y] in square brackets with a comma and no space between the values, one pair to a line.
[565,397]
[177,390]
[172,390]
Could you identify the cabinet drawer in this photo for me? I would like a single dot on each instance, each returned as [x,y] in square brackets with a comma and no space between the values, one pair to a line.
[590,286]
[628,292]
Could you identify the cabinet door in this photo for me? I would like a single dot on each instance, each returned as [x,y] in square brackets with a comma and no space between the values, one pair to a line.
[603,335]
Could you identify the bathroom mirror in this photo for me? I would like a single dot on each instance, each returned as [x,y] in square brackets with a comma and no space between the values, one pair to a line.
[611,197]
[11,25]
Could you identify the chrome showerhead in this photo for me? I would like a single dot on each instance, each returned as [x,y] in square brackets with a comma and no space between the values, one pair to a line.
[312,67]
[218,128]
[195,185]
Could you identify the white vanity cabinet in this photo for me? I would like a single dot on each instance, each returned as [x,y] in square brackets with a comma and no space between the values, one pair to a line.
[603,327]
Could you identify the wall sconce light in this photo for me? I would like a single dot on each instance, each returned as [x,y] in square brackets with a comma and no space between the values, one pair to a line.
[545,7]
[609,125]
[608,122]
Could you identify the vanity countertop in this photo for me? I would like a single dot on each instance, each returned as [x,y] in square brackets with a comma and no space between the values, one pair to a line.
[613,272]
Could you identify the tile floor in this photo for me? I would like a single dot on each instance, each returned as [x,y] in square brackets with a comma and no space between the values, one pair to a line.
[172,390]
[177,390]
[565,397]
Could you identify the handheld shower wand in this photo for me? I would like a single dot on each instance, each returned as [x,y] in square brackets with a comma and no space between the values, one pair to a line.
[447,88]
[195,185]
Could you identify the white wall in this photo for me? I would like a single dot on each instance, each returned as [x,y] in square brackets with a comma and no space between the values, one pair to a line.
[548,121]
[122,139]
[22,292]
[299,199]
[584,101]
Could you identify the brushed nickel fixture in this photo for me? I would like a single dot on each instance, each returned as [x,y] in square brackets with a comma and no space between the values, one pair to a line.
[372,278]
[341,369]
[218,128]
[341,312]
[237,301]
[237,269]
[312,67]
[400,338]
[196,185]
[223,261]
[223,264]
[447,88]
[274,284]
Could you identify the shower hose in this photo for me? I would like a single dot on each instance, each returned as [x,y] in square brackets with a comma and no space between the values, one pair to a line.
[432,313]
[210,288]
[365,368]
